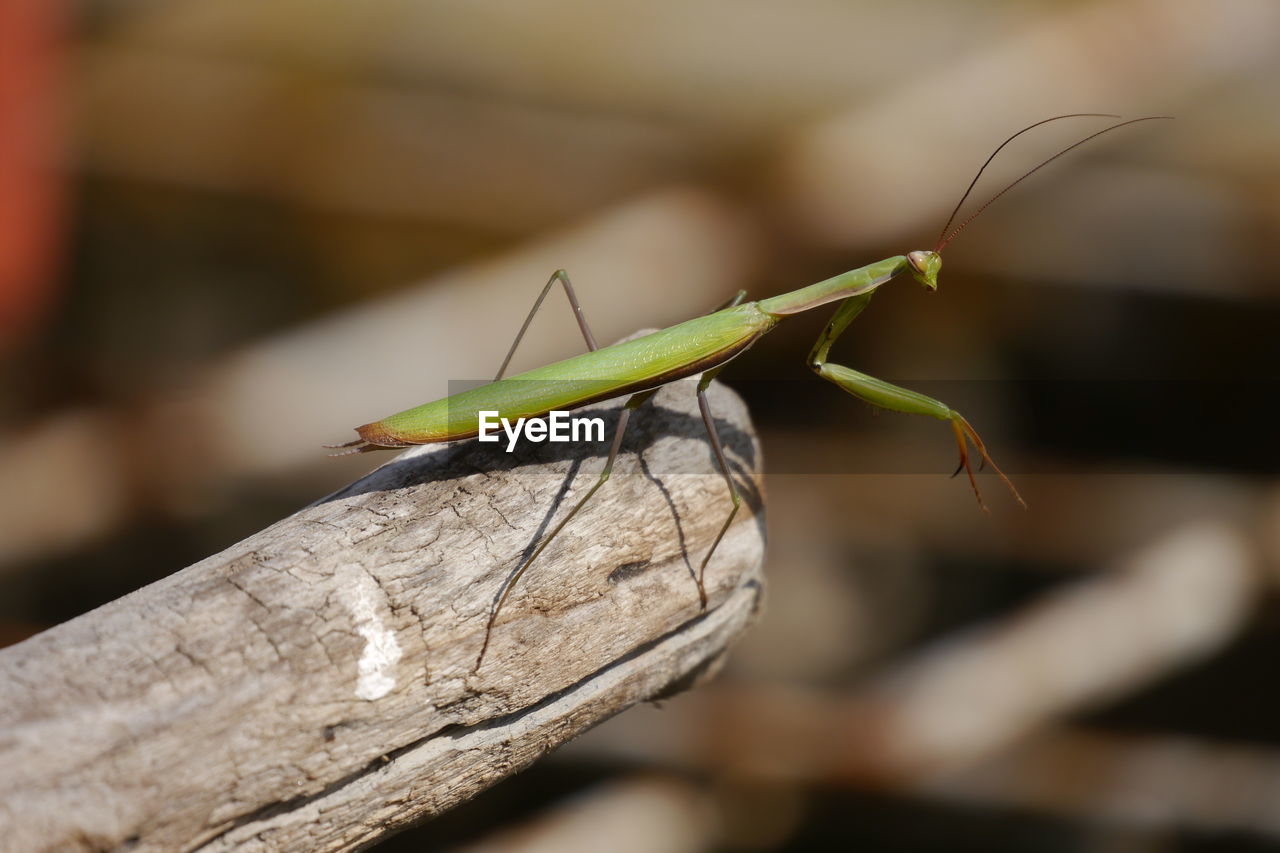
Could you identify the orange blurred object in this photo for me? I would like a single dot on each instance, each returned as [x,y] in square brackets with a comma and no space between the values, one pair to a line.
[31,56]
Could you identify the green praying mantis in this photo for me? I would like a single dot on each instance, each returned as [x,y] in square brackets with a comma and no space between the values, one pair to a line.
[703,345]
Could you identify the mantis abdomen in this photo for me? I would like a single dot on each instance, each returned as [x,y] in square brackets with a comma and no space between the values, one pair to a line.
[683,350]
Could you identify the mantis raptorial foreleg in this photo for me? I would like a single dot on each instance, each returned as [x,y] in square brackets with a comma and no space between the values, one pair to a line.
[563,278]
[879,393]
[624,416]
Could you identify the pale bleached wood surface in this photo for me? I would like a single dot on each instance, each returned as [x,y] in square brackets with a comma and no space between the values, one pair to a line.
[311,686]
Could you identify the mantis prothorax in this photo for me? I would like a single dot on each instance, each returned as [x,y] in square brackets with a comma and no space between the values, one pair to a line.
[703,345]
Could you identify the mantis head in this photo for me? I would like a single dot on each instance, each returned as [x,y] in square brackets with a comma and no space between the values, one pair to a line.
[925,266]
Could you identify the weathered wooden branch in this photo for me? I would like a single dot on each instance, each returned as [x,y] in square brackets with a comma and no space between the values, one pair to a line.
[311,687]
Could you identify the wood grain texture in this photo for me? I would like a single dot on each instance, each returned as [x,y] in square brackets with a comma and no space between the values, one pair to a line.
[311,686]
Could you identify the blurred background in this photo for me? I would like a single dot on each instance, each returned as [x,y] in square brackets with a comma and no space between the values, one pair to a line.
[229,232]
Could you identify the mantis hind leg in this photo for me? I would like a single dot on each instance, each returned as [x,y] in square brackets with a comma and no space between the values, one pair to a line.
[709,422]
[359,445]
[632,404]
[563,278]
[879,393]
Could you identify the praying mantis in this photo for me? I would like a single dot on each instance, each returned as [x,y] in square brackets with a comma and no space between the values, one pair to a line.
[703,345]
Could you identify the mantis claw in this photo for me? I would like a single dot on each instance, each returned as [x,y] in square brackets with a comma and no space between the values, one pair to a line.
[961,436]
[965,433]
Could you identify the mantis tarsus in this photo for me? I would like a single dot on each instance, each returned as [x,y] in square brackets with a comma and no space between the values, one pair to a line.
[703,345]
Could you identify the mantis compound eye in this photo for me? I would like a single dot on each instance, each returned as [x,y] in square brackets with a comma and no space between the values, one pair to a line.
[925,266]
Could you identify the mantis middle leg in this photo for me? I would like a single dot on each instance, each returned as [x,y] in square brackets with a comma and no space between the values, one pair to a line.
[709,422]
[736,299]
[879,393]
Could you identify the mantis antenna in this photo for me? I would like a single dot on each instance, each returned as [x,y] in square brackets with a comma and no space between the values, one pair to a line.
[944,237]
